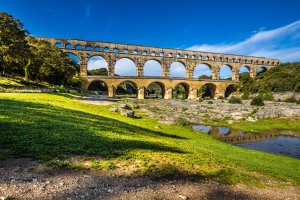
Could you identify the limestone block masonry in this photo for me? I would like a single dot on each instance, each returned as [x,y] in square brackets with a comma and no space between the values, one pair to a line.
[112,52]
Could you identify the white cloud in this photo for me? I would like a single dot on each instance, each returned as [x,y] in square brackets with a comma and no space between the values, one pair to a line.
[125,67]
[202,69]
[282,43]
[152,68]
[96,62]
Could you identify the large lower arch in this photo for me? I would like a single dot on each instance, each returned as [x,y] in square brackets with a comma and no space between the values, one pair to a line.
[97,66]
[230,89]
[152,68]
[226,72]
[261,70]
[155,90]
[127,89]
[181,91]
[177,69]
[125,67]
[98,86]
[208,90]
[202,71]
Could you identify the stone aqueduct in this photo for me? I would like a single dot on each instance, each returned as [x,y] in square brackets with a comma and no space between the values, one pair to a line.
[112,52]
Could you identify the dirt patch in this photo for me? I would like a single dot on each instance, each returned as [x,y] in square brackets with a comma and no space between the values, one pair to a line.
[27,179]
[97,100]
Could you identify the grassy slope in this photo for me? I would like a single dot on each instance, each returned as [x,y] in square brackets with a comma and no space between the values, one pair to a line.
[47,127]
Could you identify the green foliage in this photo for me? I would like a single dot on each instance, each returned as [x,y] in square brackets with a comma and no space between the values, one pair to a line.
[182,121]
[180,92]
[54,128]
[61,88]
[34,59]
[203,76]
[292,100]
[98,72]
[257,101]
[235,100]
[266,96]
[210,102]
[285,77]
[245,95]
[14,49]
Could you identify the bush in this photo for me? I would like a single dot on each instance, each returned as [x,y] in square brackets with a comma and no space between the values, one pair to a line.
[210,102]
[266,96]
[182,121]
[235,100]
[257,101]
[61,88]
[291,100]
[245,95]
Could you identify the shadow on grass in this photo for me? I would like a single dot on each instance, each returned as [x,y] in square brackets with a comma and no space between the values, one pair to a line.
[45,132]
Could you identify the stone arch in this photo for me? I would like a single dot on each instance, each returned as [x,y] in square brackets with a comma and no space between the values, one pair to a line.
[202,71]
[153,67]
[244,69]
[230,89]
[178,69]
[261,70]
[155,89]
[226,72]
[207,90]
[88,48]
[76,59]
[58,45]
[181,90]
[69,46]
[125,66]
[78,47]
[127,88]
[98,86]
[97,48]
[97,65]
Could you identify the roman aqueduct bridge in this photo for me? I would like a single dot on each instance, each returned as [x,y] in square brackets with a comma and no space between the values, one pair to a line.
[112,52]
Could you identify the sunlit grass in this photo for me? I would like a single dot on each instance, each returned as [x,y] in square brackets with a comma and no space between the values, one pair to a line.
[67,133]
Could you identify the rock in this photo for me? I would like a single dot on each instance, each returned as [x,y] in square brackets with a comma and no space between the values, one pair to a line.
[3,198]
[124,106]
[128,113]
[115,109]
[182,197]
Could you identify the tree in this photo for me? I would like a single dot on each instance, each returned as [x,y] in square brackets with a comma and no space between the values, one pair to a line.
[14,50]
[49,63]
[203,76]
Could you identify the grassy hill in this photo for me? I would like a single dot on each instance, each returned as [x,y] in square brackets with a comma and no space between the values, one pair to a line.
[56,129]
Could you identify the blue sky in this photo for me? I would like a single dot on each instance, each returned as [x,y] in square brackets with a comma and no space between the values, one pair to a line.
[269,28]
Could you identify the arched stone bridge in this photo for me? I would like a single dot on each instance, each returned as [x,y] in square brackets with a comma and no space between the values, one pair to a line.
[112,52]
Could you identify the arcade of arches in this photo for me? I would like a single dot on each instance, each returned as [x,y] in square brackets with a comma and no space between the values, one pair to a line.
[189,73]
[164,88]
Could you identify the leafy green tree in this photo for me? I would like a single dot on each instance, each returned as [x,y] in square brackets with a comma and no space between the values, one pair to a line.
[98,72]
[203,76]
[14,50]
[49,63]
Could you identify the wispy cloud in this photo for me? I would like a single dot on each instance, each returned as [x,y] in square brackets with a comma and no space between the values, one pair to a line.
[282,43]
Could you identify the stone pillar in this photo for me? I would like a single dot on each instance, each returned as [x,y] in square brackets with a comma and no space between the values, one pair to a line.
[188,73]
[140,69]
[165,71]
[168,93]
[111,91]
[193,93]
[111,66]
[83,69]
[219,93]
[215,72]
[235,75]
[141,93]
[252,72]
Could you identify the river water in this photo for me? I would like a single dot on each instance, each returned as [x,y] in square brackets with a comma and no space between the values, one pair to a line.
[276,141]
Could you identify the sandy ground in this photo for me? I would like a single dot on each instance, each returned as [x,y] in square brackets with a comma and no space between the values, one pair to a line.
[97,100]
[26,179]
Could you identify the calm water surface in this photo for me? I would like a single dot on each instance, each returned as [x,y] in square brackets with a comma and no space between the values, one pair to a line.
[277,141]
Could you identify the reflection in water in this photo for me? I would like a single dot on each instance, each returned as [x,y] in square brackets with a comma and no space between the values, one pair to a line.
[276,142]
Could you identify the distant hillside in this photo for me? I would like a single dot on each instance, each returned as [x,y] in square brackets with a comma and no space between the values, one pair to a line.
[285,77]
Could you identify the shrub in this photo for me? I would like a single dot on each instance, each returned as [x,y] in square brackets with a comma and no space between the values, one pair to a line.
[257,101]
[182,121]
[61,88]
[291,100]
[210,102]
[266,96]
[235,100]
[245,95]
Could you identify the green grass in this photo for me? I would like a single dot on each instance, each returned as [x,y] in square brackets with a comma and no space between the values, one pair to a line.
[55,129]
